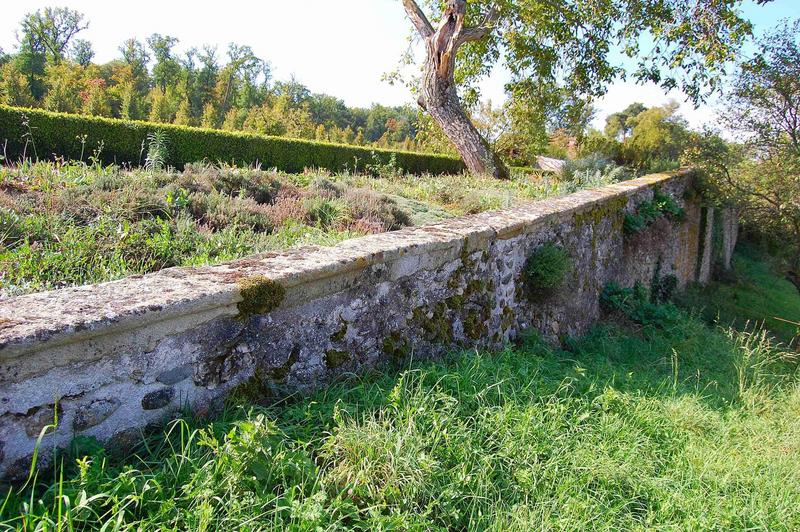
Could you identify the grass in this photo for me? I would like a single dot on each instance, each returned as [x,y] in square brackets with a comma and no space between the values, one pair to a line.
[754,295]
[680,426]
[70,224]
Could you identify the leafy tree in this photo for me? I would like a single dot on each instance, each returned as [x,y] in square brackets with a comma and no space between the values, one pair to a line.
[81,52]
[65,83]
[167,68]
[14,88]
[764,103]
[295,93]
[657,138]
[566,43]
[51,30]
[619,125]
[762,171]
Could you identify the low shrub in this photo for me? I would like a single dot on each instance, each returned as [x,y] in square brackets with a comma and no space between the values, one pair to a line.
[637,305]
[134,143]
[546,269]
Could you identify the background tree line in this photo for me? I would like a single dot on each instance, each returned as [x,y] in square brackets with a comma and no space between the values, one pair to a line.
[53,69]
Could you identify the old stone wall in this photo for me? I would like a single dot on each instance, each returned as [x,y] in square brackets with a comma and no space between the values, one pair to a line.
[110,359]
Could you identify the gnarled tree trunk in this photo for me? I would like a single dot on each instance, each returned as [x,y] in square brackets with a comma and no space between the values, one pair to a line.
[438,93]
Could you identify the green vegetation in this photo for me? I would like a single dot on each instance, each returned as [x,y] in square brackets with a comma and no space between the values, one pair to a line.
[546,269]
[260,295]
[686,426]
[40,134]
[648,212]
[53,69]
[752,296]
[69,224]
[639,305]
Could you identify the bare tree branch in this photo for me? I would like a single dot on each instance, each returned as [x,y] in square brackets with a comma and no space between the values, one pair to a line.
[479,32]
[418,18]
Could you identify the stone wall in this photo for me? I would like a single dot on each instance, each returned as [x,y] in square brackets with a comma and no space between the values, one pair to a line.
[115,357]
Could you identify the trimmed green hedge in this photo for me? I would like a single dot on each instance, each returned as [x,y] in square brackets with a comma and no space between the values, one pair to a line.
[58,134]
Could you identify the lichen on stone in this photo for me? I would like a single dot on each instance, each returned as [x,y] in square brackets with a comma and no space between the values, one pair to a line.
[260,295]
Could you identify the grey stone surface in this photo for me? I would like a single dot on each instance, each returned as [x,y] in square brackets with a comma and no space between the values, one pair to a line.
[93,413]
[106,352]
[175,375]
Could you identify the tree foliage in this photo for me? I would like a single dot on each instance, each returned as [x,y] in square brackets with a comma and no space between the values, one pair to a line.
[567,44]
[762,170]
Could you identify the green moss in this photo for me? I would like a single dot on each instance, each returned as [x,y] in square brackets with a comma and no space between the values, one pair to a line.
[437,328]
[507,318]
[475,325]
[396,346]
[466,261]
[339,335]
[260,295]
[335,358]
[475,287]
[280,373]
[251,391]
[455,302]
[612,208]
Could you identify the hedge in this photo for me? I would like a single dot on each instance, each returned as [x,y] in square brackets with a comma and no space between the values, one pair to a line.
[59,135]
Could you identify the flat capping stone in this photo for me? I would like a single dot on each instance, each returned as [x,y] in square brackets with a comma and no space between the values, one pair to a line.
[34,322]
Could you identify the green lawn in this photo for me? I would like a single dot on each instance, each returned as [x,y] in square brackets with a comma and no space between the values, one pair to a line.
[695,427]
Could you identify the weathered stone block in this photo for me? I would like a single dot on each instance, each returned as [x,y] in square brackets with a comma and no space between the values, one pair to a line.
[176,375]
[94,413]
[158,399]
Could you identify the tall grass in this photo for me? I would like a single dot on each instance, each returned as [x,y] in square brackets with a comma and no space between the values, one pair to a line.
[688,427]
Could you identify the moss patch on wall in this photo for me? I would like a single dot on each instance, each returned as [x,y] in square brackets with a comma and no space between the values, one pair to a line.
[396,346]
[335,358]
[260,295]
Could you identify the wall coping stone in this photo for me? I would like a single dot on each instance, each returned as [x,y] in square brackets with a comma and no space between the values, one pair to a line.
[43,321]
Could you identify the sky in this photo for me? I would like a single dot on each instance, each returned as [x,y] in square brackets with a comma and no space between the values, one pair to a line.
[340,47]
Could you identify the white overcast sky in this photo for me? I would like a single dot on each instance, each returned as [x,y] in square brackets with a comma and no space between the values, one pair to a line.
[340,47]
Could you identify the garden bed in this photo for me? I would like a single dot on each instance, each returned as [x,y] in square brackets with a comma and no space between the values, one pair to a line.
[72,224]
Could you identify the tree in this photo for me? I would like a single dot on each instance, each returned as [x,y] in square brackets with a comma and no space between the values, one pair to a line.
[566,43]
[52,30]
[618,125]
[762,172]
[167,68]
[81,52]
[657,138]
[764,103]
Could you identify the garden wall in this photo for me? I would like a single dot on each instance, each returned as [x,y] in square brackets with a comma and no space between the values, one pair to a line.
[111,359]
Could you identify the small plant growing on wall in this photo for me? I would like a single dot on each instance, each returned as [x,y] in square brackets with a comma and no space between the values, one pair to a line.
[648,212]
[638,305]
[546,269]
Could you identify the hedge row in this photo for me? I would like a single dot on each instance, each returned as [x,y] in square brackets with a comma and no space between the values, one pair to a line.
[59,135]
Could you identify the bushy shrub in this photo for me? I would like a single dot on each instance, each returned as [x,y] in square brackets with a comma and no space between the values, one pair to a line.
[648,212]
[126,142]
[546,269]
[636,304]
[592,171]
